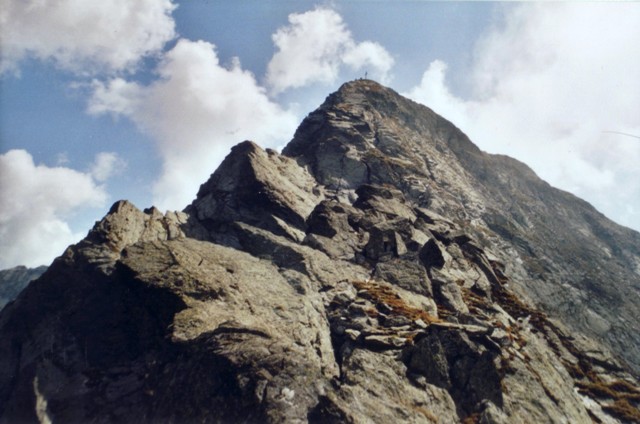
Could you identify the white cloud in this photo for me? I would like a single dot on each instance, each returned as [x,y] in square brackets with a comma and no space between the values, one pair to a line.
[36,201]
[369,54]
[433,91]
[84,36]
[195,111]
[546,85]
[105,165]
[314,47]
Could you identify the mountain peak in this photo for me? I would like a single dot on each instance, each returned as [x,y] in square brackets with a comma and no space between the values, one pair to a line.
[365,133]
[381,269]
[357,90]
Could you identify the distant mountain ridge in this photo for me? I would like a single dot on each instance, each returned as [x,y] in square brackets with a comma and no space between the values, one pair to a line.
[13,280]
[381,269]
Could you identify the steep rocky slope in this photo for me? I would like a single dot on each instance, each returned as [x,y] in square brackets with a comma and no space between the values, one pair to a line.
[381,269]
[13,280]
[567,257]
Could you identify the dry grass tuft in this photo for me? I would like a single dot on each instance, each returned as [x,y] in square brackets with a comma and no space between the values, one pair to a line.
[471,419]
[426,413]
[383,294]
[622,409]
[617,390]
[624,386]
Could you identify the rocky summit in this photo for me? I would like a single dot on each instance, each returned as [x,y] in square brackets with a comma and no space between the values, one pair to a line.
[381,269]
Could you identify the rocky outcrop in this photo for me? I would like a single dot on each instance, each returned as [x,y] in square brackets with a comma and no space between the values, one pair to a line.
[560,252]
[257,187]
[364,275]
[14,280]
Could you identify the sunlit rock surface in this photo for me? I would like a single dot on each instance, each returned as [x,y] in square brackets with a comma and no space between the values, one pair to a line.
[381,269]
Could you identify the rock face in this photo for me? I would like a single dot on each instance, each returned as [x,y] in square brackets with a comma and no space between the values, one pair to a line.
[381,269]
[14,280]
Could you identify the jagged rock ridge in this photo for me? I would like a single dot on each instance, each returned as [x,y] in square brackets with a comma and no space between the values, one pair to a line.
[13,280]
[379,270]
[559,250]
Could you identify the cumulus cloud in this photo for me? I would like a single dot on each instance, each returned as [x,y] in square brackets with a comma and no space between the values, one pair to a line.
[83,36]
[105,165]
[547,85]
[314,47]
[196,110]
[36,202]
[433,91]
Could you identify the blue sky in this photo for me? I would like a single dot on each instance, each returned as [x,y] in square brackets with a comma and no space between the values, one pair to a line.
[142,100]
